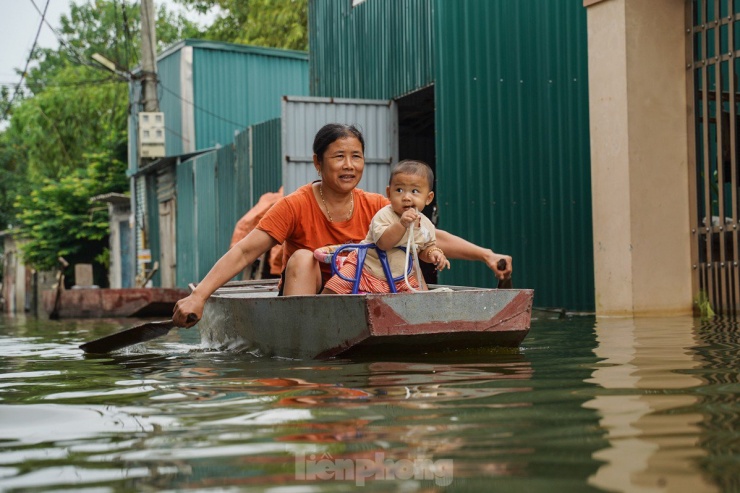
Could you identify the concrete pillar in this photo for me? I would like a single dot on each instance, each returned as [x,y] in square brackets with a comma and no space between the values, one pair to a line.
[639,156]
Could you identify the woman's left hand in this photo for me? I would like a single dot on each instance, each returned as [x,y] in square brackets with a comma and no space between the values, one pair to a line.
[493,259]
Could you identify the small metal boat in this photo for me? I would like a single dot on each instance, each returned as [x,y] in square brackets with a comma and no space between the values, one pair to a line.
[248,315]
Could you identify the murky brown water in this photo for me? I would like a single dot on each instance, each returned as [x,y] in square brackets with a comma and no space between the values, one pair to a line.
[610,405]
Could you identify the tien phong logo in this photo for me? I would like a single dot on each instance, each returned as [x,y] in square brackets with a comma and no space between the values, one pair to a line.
[324,467]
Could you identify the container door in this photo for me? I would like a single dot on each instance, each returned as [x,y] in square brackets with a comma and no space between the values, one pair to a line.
[302,117]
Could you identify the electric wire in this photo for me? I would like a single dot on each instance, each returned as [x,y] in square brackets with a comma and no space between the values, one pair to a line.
[72,50]
[199,108]
[28,62]
[126,34]
[79,83]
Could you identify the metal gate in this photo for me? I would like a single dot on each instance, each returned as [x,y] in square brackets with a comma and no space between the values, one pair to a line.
[714,66]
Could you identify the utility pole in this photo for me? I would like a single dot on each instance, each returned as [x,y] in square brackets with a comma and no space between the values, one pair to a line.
[151,140]
[148,56]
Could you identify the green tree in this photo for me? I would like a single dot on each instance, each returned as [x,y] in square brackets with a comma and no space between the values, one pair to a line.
[57,216]
[66,138]
[271,23]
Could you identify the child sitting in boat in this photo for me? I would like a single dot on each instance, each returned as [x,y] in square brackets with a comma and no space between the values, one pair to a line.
[409,190]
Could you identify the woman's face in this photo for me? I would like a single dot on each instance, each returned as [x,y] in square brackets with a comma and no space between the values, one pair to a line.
[342,164]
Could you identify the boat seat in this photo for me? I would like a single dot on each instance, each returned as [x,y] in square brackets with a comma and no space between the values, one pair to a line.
[331,255]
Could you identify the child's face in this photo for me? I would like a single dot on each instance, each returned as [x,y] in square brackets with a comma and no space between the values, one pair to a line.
[409,191]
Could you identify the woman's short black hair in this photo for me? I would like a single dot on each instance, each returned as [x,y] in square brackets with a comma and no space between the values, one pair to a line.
[332,132]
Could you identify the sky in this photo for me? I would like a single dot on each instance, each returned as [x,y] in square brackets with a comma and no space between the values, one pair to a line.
[19,22]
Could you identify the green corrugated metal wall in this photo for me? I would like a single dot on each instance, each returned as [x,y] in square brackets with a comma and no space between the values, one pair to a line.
[234,86]
[186,249]
[168,73]
[211,199]
[512,136]
[244,183]
[513,141]
[226,194]
[267,173]
[262,81]
[206,212]
[377,50]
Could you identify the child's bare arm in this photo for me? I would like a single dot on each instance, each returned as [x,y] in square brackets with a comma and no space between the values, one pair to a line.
[435,255]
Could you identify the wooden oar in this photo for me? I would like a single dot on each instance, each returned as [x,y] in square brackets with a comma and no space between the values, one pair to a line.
[504,283]
[129,337]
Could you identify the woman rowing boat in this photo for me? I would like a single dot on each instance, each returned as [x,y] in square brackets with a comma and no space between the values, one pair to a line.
[329,211]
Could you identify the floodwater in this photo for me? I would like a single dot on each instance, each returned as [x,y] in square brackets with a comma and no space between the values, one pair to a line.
[644,405]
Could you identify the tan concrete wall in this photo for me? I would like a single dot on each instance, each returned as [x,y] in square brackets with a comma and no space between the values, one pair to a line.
[639,156]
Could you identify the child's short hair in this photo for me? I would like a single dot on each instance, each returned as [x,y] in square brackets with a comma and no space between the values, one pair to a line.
[413,167]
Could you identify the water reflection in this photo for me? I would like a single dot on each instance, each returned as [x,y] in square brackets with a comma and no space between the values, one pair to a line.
[613,405]
[719,342]
[651,434]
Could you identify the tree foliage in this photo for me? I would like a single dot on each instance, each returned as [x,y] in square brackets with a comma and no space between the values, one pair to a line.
[66,139]
[271,23]
[57,217]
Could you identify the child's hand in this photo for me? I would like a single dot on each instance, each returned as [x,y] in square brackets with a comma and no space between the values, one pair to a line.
[408,217]
[438,258]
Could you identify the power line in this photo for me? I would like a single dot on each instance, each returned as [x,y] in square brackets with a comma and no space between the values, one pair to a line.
[202,109]
[72,50]
[126,34]
[28,62]
[81,83]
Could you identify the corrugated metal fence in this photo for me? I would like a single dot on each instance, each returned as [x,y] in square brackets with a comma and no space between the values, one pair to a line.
[213,193]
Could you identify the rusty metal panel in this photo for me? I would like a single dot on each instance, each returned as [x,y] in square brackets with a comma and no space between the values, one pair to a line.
[302,117]
[165,183]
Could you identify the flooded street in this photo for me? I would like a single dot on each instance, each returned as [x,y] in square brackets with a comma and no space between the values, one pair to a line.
[584,405]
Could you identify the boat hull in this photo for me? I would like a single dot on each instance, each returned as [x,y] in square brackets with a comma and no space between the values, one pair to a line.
[250,316]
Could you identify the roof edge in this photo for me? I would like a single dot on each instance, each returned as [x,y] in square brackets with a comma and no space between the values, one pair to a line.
[235,47]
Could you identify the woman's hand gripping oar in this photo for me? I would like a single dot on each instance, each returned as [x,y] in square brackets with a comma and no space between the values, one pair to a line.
[504,283]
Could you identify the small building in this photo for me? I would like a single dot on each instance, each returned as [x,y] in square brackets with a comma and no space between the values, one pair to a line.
[120,272]
[208,92]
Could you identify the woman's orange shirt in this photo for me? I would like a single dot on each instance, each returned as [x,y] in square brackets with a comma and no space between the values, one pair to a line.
[298,222]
